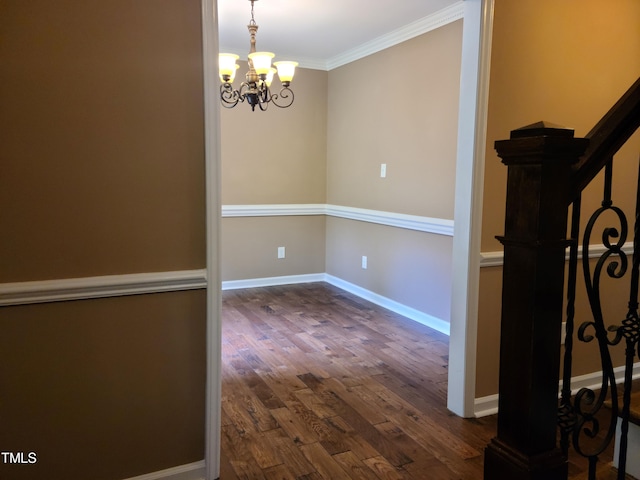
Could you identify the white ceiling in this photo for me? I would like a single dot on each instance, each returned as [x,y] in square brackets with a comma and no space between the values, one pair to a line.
[318,32]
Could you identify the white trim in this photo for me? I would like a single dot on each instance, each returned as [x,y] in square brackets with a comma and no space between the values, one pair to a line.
[496,259]
[421,26]
[437,226]
[430,321]
[472,127]
[491,259]
[272,281]
[42,291]
[411,313]
[191,471]
[485,406]
[273,210]
[488,405]
[212,153]
[438,19]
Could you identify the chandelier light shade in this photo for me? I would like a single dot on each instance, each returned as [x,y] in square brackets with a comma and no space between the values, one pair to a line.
[256,89]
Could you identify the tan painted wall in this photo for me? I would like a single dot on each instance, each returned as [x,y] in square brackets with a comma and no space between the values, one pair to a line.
[406,117]
[336,141]
[103,389]
[399,107]
[412,268]
[566,63]
[250,246]
[102,172]
[277,156]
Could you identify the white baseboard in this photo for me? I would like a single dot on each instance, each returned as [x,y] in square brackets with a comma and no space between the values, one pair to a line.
[488,405]
[485,406]
[430,321]
[273,281]
[191,471]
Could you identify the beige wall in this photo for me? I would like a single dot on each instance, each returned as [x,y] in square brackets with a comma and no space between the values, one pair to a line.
[277,156]
[406,117]
[562,62]
[399,107]
[337,134]
[250,246]
[412,268]
[102,172]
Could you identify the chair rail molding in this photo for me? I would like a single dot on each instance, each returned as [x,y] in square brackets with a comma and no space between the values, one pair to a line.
[496,258]
[59,290]
[419,223]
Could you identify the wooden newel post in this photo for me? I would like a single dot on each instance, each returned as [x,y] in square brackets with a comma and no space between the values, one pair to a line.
[539,159]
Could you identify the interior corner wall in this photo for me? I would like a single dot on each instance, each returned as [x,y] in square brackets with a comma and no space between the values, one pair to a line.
[102,173]
[404,116]
[327,149]
[566,63]
[275,157]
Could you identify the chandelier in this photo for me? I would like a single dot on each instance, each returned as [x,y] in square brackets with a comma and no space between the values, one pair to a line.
[256,89]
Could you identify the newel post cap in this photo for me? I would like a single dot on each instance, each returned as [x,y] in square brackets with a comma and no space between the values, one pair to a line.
[542,129]
[539,143]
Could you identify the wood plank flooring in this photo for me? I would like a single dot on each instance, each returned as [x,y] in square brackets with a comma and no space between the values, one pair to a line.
[320,384]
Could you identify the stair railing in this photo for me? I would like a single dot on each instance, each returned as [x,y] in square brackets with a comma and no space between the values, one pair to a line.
[547,170]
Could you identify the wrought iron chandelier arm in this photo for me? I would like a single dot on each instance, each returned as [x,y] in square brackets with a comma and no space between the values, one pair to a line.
[283,99]
[255,89]
[228,96]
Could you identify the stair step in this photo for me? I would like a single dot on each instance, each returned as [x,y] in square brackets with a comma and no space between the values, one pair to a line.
[634,407]
[604,472]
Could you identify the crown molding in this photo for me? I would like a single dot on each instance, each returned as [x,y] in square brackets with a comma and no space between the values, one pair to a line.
[414,29]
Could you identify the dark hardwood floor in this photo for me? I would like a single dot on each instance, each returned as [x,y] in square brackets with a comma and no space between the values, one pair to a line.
[320,384]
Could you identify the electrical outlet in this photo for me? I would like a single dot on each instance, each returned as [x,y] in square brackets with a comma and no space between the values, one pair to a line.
[383,170]
[280,252]
[364,262]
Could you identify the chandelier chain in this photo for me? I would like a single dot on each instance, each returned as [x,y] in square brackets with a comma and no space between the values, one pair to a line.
[255,90]
[252,21]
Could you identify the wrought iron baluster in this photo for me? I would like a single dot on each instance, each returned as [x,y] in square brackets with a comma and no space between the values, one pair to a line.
[566,413]
[630,330]
[588,404]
